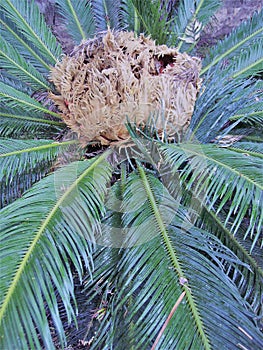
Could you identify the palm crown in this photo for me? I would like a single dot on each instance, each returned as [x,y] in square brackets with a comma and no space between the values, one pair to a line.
[164,232]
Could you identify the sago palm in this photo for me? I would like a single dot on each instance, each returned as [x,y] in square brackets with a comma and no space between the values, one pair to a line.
[140,233]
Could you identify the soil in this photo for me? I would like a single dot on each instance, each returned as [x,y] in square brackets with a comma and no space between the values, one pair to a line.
[229,16]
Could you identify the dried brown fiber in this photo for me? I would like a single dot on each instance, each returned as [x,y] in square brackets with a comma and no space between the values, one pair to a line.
[117,75]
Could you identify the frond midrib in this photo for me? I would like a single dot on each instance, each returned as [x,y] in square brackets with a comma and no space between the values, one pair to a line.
[245,151]
[40,231]
[45,86]
[232,238]
[42,109]
[238,116]
[76,19]
[223,165]
[38,39]
[32,119]
[174,259]
[38,148]
[246,69]
[240,43]
[33,53]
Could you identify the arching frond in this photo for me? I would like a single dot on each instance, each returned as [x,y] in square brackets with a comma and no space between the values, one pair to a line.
[247,280]
[216,104]
[17,155]
[78,18]
[59,216]
[12,61]
[172,259]
[12,35]
[20,124]
[253,113]
[23,162]
[250,148]
[30,22]
[249,62]
[240,39]
[191,13]
[15,98]
[219,176]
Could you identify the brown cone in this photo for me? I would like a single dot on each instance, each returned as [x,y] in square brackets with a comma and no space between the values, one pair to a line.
[115,76]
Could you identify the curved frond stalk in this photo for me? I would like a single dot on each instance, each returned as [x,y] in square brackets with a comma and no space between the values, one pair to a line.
[22,162]
[193,13]
[172,254]
[15,98]
[240,39]
[59,216]
[217,176]
[30,22]
[78,18]
[248,276]
[251,119]
[25,118]
[252,114]
[247,64]
[17,40]
[15,64]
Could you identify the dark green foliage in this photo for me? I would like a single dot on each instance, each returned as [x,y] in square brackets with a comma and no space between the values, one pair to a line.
[122,235]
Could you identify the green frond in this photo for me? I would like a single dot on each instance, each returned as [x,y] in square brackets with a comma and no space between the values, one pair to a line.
[149,227]
[9,80]
[58,216]
[78,18]
[106,14]
[247,280]
[240,39]
[20,124]
[15,64]
[250,134]
[249,62]
[23,162]
[253,118]
[249,148]
[216,104]
[11,34]
[15,98]
[218,176]
[30,23]
[151,20]
[193,13]
[128,17]
[252,114]
[141,284]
